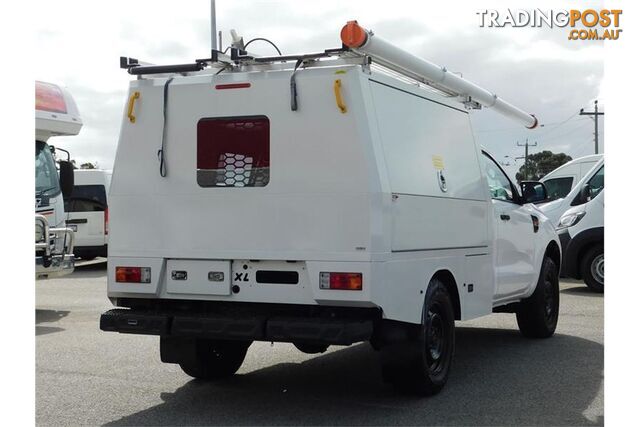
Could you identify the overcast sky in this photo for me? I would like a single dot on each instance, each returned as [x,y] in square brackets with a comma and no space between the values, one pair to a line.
[79,43]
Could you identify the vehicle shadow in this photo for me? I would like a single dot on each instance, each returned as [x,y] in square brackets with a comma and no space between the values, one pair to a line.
[88,271]
[48,316]
[582,290]
[498,378]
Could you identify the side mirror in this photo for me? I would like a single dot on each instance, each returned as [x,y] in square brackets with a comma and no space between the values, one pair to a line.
[66,178]
[585,193]
[533,191]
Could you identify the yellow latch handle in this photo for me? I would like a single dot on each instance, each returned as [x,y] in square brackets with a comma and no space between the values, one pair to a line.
[339,101]
[132,100]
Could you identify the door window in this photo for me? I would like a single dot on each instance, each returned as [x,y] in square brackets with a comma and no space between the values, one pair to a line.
[500,187]
[596,183]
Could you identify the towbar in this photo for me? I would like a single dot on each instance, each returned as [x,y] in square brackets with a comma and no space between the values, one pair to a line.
[365,42]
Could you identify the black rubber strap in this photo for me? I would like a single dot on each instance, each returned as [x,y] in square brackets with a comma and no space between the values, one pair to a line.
[163,166]
[294,89]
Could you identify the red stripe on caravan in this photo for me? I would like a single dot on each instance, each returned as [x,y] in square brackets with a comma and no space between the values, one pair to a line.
[233,86]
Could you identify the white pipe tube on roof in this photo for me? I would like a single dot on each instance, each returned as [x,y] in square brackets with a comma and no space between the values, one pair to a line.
[365,42]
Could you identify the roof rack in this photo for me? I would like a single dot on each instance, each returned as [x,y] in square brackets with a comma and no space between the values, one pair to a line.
[358,46]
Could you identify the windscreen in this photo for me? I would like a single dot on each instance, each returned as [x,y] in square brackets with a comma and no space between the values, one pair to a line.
[47,183]
[86,198]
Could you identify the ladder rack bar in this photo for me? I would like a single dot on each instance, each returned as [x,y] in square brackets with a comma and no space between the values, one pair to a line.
[380,50]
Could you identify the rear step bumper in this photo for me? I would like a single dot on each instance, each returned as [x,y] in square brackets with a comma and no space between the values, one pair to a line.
[256,328]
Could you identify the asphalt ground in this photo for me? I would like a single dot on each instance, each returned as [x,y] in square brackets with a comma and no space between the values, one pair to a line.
[88,377]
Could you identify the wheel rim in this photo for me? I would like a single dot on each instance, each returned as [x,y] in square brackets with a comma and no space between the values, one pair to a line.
[436,344]
[597,269]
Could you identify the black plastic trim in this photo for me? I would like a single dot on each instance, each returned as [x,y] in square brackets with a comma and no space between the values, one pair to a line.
[574,247]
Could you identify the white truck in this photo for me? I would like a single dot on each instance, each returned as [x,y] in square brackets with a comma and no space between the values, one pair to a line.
[320,199]
[56,114]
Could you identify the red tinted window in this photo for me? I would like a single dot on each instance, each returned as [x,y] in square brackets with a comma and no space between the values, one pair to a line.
[233,152]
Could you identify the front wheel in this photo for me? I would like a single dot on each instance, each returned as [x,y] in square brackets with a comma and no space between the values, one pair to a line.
[214,359]
[592,268]
[538,315]
[420,364]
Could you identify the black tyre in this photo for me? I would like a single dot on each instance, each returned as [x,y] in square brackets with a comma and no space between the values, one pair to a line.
[538,315]
[311,348]
[592,268]
[214,359]
[420,364]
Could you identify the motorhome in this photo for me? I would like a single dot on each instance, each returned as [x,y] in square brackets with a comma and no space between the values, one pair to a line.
[581,229]
[319,199]
[88,212]
[56,114]
[563,179]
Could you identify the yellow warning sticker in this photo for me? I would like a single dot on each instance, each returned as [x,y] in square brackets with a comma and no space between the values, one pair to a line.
[438,162]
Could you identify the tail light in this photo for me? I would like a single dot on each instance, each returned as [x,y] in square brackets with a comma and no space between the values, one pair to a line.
[342,281]
[133,274]
[106,221]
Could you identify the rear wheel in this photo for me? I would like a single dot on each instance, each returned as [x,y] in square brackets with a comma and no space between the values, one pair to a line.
[592,268]
[311,348]
[538,315]
[420,364]
[214,359]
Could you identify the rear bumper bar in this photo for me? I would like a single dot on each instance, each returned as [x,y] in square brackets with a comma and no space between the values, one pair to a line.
[254,328]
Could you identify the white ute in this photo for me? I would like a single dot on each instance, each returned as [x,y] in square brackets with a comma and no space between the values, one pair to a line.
[320,199]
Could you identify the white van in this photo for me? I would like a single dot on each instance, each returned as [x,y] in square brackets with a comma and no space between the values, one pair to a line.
[324,203]
[88,212]
[554,209]
[563,179]
[581,231]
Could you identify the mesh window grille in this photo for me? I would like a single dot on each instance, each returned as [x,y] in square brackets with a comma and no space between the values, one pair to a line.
[233,152]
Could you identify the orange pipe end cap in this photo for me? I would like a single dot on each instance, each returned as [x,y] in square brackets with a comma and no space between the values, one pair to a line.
[353,35]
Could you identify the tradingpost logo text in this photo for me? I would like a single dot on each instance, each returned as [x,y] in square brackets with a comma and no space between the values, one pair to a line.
[589,24]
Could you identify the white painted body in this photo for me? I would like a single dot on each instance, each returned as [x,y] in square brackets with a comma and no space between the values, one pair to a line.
[55,123]
[86,215]
[593,215]
[352,192]
[556,208]
[569,174]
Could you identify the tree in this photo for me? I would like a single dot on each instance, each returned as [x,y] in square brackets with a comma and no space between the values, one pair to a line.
[540,164]
[89,165]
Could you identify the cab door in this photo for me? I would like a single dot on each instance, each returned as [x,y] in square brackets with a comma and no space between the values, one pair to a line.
[513,234]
